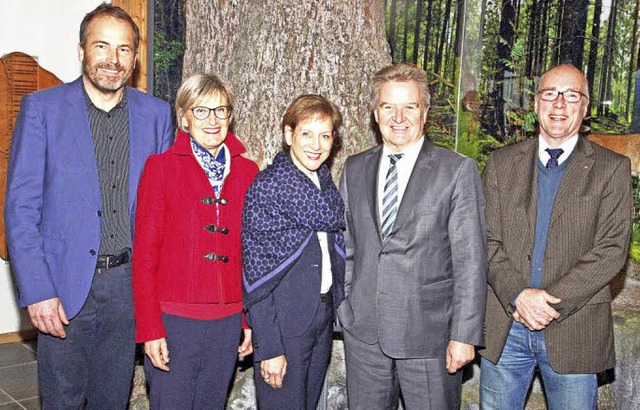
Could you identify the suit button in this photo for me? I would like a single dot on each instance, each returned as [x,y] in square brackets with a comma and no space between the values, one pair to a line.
[256,345]
[92,252]
[99,213]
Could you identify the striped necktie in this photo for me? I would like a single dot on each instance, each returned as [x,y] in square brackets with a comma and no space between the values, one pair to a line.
[390,196]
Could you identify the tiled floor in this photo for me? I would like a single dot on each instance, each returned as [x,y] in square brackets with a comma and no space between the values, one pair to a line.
[18,377]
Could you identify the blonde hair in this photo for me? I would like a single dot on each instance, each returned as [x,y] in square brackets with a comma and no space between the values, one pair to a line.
[401,73]
[199,86]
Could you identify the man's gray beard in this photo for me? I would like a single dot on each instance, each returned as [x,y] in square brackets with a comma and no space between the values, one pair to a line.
[101,86]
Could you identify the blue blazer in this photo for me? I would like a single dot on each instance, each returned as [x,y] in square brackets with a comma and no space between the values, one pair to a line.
[288,311]
[53,204]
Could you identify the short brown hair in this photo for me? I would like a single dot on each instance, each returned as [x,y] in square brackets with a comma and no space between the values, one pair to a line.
[401,73]
[109,10]
[314,106]
[199,86]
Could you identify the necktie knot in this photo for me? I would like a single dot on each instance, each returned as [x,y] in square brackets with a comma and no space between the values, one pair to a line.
[554,153]
[395,158]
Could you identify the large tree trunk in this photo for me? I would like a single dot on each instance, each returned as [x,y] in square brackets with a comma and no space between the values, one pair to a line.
[271,51]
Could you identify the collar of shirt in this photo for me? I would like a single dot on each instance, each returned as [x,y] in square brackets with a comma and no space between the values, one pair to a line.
[404,166]
[121,104]
[566,146]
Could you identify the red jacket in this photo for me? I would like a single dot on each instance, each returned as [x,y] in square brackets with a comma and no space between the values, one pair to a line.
[170,242]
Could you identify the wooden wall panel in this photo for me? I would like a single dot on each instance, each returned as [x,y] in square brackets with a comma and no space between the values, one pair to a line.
[20,74]
[137,9]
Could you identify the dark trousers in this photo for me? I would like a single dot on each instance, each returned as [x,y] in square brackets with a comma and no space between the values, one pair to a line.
[307,362]
[202,358]
[94,363]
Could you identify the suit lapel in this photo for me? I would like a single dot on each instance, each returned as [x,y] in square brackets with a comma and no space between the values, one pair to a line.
[526,190]
[372,164]
[417,184]
[580,163]
[136,128]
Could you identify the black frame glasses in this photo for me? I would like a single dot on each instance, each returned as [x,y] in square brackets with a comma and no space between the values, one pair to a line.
[222,112]
[569,96]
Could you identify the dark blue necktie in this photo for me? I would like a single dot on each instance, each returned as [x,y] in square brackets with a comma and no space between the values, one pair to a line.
[555,154]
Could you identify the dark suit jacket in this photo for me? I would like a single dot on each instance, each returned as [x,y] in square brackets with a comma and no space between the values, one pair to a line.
[289,309]
[587,245]
[426,283]
[53,204]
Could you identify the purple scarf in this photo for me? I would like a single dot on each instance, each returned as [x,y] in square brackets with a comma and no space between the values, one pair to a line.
[283,208]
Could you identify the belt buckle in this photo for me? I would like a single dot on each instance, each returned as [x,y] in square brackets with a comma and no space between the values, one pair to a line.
[107,261]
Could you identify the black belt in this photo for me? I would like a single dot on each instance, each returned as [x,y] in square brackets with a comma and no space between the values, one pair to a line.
[111,261]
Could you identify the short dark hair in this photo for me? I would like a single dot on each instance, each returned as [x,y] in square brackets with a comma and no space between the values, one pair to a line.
[314,106]
[109,10]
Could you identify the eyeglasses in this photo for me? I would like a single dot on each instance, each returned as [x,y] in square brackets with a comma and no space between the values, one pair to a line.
[569,96]
[202,113]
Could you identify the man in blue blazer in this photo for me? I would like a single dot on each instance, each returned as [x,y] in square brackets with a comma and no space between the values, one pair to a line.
[78,151]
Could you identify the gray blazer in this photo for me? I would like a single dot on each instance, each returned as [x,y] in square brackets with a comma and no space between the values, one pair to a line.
[587,246]
[426,283]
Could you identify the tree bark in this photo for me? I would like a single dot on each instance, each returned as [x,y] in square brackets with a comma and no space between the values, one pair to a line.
[504,46]
[427,37]
[605,77]
[416,31]
[271,51]
[593,47]
[443,38]
[392,33]
[572,35]
[632,62]
[405,31]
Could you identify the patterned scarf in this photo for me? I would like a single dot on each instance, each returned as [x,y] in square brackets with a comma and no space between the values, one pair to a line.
[212,166]
[283,208]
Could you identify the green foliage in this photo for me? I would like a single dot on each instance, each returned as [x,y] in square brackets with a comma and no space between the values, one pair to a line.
[166,52]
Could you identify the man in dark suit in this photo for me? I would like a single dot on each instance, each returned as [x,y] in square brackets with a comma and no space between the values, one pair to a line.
[558,221]
[415,280]
[78,151]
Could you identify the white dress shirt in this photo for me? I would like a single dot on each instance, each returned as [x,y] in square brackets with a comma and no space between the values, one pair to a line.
[327,279]
[566,146]
[404,166]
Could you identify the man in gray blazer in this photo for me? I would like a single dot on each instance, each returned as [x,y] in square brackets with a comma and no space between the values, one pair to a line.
[416,257]
[558,218]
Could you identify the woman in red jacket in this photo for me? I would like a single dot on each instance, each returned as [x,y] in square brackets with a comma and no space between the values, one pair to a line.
[187,264]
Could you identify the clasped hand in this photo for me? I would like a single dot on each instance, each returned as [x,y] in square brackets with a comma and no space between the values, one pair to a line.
[533,309]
